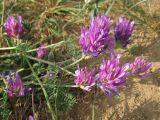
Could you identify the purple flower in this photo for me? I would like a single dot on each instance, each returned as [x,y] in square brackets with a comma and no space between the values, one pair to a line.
[96,39]
[111,75]
[140,67]
[13,27]
[31,117]
[16,88]
[85,79]
[123,30]
[41,51]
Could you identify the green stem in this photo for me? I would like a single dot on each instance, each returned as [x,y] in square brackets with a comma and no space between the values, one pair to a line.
[43,89]
[110,7]
[20,70]
[48,46]
[33,108]
[16,54]
[93,105]
[50,63]
[64,62]
[2,19]
[77,61]
[134,6]
[63,86]
[93,112]
[7,48]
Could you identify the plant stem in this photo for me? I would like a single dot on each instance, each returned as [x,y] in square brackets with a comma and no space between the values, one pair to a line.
[16,54]
[43,89]
[77,61]
[33,108]
[50,63]
[48,46]
[2,22]
[7,48]
[110,7]
[93,105]
[19,70]
[63,86]
[134,6]
[2,19]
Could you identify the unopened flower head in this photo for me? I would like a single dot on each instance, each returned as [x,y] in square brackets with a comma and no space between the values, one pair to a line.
[123,30]
[31,117]
[16,88]
[41,51]
[85,78]
[14,27]
[140,67]
[96,39]
[111,75]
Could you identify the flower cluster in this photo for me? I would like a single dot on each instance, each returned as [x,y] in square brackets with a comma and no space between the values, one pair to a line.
[95,40]
[13,27]
[16,88]
[85,79]
[111,75]
[41,51]
[140,67]
[123,30]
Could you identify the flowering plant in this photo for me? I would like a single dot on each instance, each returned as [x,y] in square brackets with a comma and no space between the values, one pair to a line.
[14,27]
